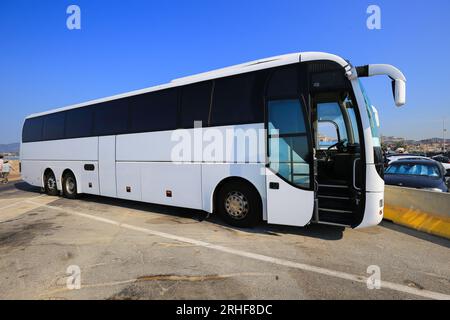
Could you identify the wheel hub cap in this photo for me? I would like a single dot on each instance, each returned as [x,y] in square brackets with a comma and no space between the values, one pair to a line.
[70,185]
[51,183]
[236,205]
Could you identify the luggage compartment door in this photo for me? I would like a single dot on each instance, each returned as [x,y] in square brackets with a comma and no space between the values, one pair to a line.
[107,165]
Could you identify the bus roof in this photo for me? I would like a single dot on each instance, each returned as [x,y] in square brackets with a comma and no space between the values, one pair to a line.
[256,65]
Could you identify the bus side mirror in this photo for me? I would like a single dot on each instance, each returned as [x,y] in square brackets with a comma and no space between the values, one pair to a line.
[398,79]
[399,92]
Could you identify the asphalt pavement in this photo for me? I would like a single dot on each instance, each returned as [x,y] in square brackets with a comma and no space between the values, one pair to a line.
[102,248]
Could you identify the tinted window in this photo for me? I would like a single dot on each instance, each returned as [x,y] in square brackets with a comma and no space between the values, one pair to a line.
[284,82]
[327,76]
[32,130]
[154,111]
[237,100]
[286,117]
[54,126]
[111,117]
[195,103]
[79,122]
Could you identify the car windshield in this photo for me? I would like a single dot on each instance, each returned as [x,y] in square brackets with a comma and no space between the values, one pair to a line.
[413,169]
[373,117]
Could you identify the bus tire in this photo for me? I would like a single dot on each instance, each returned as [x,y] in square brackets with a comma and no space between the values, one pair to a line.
[50,185]
[239,204]
[69,186]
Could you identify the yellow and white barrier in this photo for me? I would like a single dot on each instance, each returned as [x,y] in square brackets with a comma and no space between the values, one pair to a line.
[425,211]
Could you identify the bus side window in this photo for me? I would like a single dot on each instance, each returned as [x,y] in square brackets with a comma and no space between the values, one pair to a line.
[235,101]
[79,122]
[284,82]
[111,118]
[54,126]
[195,104]
[154,111]
[32,130]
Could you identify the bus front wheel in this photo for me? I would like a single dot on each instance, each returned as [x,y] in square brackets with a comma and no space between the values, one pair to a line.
[239,205]
[70,186]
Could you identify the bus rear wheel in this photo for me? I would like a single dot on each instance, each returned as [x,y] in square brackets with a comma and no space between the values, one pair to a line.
[239,205]
[50,185]
[70,186]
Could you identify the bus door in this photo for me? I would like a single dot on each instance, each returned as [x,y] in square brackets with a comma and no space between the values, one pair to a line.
[340,161]
[289,172]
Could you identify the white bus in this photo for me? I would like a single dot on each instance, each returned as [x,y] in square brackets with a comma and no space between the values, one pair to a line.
[318,161]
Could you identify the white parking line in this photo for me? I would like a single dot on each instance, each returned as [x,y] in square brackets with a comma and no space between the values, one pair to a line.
[255,256]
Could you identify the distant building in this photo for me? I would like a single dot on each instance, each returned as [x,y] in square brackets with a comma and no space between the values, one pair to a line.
[326,139]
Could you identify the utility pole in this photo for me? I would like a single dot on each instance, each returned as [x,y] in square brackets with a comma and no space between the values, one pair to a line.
[443,135]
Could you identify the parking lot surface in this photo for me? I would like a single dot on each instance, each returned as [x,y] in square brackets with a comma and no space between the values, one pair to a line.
[131,250]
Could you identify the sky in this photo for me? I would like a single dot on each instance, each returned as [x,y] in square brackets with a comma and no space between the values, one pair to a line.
[134,44]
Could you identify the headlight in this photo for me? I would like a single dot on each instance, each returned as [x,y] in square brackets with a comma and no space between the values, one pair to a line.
[433,189]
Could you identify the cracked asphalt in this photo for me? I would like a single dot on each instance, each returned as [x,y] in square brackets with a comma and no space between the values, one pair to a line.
[131,250]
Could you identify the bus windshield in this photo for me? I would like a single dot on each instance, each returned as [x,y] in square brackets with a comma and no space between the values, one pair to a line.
[373,117]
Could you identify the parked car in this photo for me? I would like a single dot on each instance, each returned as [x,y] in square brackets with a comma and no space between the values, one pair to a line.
[444,160]
[418,173]
[395,157]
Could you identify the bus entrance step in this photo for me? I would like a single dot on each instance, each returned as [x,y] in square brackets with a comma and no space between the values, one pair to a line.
[340,218]
[337,203]
[329,192]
